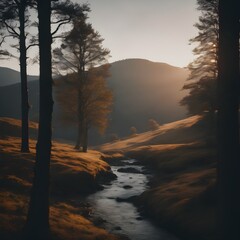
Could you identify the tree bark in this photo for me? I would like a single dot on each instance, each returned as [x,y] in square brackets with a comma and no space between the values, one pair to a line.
[228,122]
[38,214]
[80,121]
[23,72]
[85,137]
[79,136]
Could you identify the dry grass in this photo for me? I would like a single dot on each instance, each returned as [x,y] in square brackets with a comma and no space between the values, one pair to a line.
[67,222]
[175,158]
[182,193]
[184,203]
[72,172]
[12,127]
[179,132]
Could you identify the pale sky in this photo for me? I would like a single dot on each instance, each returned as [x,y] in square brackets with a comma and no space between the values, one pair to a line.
[157,30]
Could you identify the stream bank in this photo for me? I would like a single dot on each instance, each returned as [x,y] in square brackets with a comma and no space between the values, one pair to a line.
[73,174]
[182,196]
[114,208]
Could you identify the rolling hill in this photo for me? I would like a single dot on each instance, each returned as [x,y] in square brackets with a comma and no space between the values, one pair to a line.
[142,90]
[173,135]
[9,76]
[182,193]
[68,166]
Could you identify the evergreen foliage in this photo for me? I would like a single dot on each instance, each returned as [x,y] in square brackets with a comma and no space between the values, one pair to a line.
[202,95]
[80,53]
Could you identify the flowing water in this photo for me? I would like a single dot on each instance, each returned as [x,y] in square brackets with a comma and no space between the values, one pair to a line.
[122,217]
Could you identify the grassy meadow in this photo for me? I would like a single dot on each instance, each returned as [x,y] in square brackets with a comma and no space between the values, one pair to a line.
[181,196]
[73,175]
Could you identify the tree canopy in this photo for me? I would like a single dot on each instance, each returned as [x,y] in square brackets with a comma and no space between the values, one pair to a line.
[80,49]
[80,54]
[203,70]
[96,98]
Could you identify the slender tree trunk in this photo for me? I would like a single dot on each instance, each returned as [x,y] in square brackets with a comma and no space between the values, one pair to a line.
[85,137]
[228,123]
[80,120]
[38,214]
[23,71]
[79,131]
[79,141]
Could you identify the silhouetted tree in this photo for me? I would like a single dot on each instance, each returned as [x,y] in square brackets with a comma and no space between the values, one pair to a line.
[153,124]
[81,49]
[202,95]
[133,131]
[63,13]
[38,214]
[14,19]
[228,122]
[113,137]
[96,100]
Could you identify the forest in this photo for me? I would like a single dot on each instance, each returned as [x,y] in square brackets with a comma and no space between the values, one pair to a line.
[134,149]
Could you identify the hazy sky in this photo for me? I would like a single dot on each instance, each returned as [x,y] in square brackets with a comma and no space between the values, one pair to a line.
[157,30]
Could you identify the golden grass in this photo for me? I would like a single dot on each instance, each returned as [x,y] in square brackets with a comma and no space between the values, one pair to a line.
[71,172]
[65,220]
[178,132]
[181,196]
[68,166]
[182,204]
[67,223]
[12,127]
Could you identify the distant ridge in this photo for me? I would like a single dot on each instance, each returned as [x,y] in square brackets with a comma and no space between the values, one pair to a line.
[129,60]
[9,76]
[142,90]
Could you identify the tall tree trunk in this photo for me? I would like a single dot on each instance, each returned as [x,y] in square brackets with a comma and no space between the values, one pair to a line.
[38,214]
[23,71]
[228,122]
[79,135]
[80,121]
[85,137]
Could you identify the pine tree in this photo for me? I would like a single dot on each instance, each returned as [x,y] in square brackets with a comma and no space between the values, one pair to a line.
[14,14]
[37,226]
[81,50]
[202,95]
[96,100]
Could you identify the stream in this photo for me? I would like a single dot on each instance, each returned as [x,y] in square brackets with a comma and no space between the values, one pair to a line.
[122,217]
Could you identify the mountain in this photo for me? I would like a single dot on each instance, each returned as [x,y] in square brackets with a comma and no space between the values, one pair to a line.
[10,100]
[9,76]
[142,90]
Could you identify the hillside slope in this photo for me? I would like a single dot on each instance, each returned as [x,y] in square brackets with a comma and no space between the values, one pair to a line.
[142,90]
[9,76]
[179,132]
[73,174]
[182,194]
